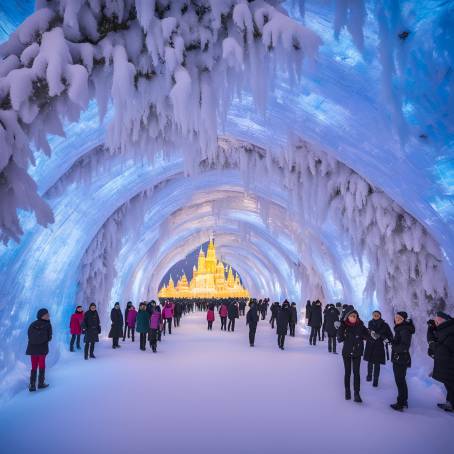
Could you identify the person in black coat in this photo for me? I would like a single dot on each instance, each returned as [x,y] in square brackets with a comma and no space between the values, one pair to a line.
[91,327]
[252,318]
[128,306]
[374,354]
[332,324]
[315,321]
[274,311]
[39,336]
[352,333]
[283,319]
[177,313]
[440,335]
[308,310]
[233,314]
[293,319]
[400,357]
[116,329]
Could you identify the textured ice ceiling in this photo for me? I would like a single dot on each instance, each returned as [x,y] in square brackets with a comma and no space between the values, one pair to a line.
[333,176]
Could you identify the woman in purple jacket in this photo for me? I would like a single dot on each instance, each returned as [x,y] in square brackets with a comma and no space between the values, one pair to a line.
[155,323]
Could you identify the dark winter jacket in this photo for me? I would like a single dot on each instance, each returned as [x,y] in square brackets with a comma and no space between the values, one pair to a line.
[308,310]
[331,316]
[315,317]
[293,315]
[375,348]
[283,318]
[233,311]
[353,337]
[252,317]
[142,321]
[401,343]
[91,326]
[442,345]
[116,317]
[39,336]
[274,309]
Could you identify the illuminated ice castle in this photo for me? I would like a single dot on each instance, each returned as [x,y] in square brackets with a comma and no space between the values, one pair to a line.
[208,280]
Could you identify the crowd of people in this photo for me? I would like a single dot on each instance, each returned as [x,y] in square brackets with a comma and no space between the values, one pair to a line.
[339,323]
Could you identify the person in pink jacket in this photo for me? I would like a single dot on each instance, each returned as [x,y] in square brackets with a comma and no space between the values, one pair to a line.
[223,312]
[210,316]
[131,321]
[155,326]
[167,315]
[75,328]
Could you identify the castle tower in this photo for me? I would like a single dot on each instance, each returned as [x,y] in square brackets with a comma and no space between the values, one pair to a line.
[211,260]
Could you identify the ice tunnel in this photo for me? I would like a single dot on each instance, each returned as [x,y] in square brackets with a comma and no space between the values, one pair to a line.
[314,139]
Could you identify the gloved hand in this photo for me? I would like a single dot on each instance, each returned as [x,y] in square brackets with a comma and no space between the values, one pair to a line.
[337,325]
[374,335]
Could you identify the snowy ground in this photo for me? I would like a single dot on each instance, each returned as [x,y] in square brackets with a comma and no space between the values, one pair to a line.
[209,392]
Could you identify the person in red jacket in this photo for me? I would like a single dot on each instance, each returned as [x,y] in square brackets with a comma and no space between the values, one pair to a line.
[210,316]
[75,328]
[223,312]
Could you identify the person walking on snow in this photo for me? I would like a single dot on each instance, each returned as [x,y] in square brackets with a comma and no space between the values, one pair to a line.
[142,325]
[155,324]
[233,313]
[210,316]
[315,321]
[128,306]
[293,319]
[374,354]
[440,335]
[131,322]
[401,358]
[274,311]
[116,329]
[223,313]
[331,326]
[75,327]
[283,318]
[167,314]
[39,336]
[252,318]
[91,327]
[352,333]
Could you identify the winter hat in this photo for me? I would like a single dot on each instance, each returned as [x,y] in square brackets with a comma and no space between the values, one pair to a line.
[443,315]
[92,304]
[41,313]
[351,311]
[403,314]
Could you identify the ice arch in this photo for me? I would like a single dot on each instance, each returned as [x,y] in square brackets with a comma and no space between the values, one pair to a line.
[339,107]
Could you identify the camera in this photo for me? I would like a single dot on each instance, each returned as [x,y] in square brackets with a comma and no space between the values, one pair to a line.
[431,323]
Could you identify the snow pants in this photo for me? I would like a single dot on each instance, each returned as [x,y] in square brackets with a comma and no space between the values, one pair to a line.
[252,331]
[352,363]
[332,344]
[400,373]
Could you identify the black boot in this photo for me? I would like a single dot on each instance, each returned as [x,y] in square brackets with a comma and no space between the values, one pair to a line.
[397,407]
[71,348]
[369,378]
[32,386]
[348,394]
[375,383]
[41,378]
[357,398]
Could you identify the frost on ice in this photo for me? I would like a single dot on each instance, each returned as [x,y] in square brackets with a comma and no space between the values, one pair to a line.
[163,64]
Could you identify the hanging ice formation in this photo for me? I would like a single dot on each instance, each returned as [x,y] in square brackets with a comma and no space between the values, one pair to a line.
[317,150]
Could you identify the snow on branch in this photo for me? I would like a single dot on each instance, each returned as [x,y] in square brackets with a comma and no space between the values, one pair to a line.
[169,68]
